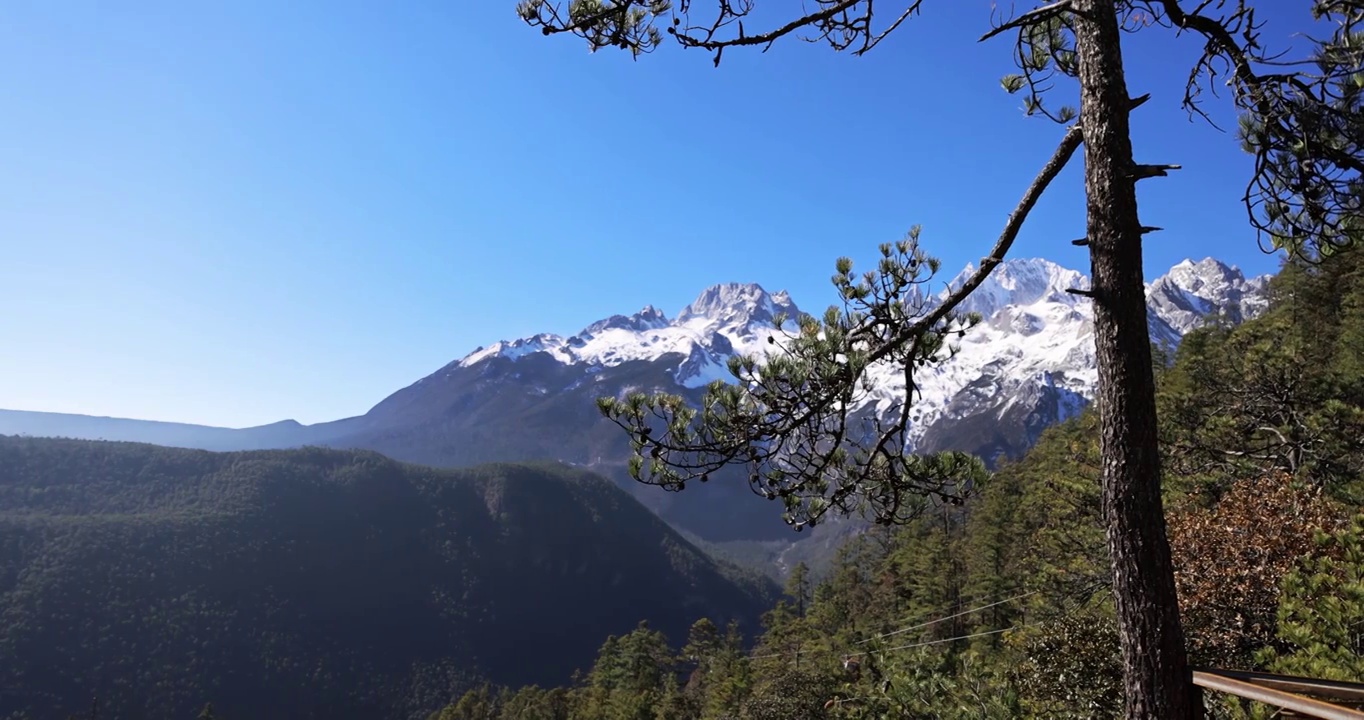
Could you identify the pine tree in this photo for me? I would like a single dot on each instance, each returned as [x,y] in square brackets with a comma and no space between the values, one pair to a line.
[840,611]
[703,641]
[479,703]
[991,533]
[702,653]
[671,704]
[1321,616]
[1303,128]
[1279,394]
[789,693]
[936,574]
[798,588]
[629,680]
[728,682]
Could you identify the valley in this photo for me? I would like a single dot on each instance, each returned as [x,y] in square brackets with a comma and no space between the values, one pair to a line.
[341,582]
[989,361]
[314,582]
[1029,365]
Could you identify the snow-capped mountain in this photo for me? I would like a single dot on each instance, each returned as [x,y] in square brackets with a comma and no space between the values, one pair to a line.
[1031,361]
[1028,364]
[1191,292]
[725,320]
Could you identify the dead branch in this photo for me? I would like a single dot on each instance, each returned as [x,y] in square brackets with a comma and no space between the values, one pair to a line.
[1304,127]
[1030,17]
[629,24]
[1070,142]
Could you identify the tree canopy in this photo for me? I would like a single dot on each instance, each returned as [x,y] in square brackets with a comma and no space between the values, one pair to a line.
[787,418]
[1000,607]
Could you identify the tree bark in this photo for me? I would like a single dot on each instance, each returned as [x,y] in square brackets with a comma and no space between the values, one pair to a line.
[1156,678]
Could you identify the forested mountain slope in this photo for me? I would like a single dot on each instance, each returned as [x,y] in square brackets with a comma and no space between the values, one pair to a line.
[1001,608]
[318,583]
[1029,365]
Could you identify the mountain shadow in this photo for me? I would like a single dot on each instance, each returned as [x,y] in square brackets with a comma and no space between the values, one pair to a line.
[319,583]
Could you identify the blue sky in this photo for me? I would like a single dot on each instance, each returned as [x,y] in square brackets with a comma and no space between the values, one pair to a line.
[236,213]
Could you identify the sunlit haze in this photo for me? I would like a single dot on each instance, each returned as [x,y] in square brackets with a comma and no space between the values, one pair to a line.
[245,212]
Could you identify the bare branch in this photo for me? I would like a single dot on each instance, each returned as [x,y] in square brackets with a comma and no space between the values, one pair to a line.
[1030,17]
[1070,142]
[630,24]
[1305,129]
[1141,172]
[874,41]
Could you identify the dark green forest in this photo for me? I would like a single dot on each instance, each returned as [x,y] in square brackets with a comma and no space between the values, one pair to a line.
[149,581]
[1000,608]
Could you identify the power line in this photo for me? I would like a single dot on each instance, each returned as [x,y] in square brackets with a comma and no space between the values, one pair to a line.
[937,642]
[1064,596]
[906,646]
[949,617]
[904,630]
[959,637]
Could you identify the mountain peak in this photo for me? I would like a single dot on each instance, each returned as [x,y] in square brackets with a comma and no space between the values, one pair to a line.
[736,305]
[649,318]
[1193,290]
[513,349]
[1208,273]
[1019,281]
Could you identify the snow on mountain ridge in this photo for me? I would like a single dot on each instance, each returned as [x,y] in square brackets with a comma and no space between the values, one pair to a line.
[1191,290]
[741,313]
[1034,345]
[737,307]
[1023,281]
[1032,333]
[649,318]
[725,319]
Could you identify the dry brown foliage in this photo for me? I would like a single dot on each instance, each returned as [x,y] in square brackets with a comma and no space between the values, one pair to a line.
[1230,557]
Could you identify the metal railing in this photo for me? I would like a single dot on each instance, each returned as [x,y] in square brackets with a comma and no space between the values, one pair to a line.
[1296,696]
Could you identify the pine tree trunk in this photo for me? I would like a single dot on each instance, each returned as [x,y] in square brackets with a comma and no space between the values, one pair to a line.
[1155,669]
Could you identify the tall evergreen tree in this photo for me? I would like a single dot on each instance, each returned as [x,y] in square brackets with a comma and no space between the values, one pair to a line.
[628,680]
[788,419]
[798,588]
[728,681]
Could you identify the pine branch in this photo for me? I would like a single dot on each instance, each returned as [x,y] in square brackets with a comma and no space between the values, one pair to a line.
[767,38]
[834,18]
[1070,142]
[1301,128]
[789,418]
[1031,17]
[586,21]
[637,25]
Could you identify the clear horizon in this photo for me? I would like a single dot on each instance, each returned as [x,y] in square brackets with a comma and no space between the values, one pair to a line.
[235,216]
[670,314]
